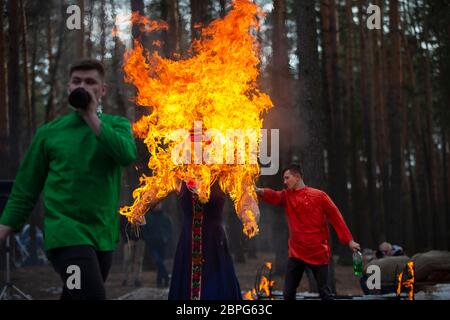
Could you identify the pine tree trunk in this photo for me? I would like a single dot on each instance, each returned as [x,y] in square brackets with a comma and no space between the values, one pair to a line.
[410,221]
[368,129]
[310,94]
[437,197]
[337,174]
[14,86]
[26,77]
[310,102]
[102,30]
[281,81]
[200,16]
[384,114]
[89,44]
[117,69]
[33,79]
[280,94]
[446,177]
[424,202]
[378,76]
[27,96]
[354,217]
[103,18]
[50,108]
[80,33]
[396,211]
[170,13]
[4,116]
[138,6]
[222,8]
[50,112]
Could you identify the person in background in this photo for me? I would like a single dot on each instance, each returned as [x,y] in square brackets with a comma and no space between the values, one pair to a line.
[157,233]
[133,253]
[385,249]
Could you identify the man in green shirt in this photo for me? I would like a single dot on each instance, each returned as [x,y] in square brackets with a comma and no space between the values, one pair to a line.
[77,161]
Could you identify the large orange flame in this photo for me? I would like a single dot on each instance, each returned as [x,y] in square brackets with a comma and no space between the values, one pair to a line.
[217,87]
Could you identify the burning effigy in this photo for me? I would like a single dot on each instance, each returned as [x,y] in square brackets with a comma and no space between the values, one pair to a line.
[205,114]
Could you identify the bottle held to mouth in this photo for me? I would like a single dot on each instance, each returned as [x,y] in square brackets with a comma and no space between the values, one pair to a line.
[79,98]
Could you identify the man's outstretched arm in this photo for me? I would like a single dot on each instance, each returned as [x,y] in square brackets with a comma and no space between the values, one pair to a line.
[270,196]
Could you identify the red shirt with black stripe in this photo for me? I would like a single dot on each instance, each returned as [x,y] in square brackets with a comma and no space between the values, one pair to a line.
[308,212]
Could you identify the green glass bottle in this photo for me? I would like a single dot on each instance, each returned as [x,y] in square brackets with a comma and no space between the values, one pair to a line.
[357,263]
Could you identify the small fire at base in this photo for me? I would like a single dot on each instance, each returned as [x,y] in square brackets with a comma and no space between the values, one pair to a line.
[406,280]
[263,285]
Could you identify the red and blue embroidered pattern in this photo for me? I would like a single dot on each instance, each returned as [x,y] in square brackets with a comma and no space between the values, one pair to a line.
[197,256]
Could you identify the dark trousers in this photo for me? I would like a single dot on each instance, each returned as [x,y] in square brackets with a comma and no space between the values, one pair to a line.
[158,254]
[93,270]
[294,274]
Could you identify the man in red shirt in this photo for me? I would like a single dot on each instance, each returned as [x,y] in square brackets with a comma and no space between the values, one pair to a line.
[308,213]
